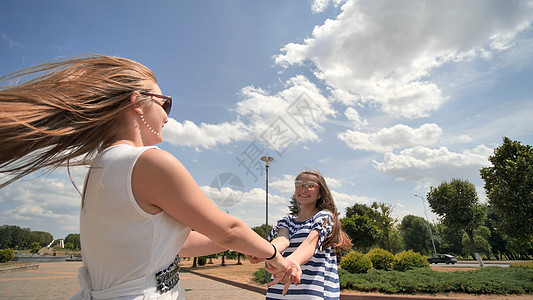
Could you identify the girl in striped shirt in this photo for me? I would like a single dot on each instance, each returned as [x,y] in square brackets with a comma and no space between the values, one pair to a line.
[312,239]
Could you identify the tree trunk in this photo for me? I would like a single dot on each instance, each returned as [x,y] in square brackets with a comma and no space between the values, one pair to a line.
[194,262]
[471,238]
[386,242]
[474,249]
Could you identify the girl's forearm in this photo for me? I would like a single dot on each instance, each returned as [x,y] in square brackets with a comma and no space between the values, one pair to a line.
[307,248]
[281,243]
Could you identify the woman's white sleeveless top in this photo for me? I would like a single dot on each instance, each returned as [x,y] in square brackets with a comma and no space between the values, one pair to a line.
[122,245]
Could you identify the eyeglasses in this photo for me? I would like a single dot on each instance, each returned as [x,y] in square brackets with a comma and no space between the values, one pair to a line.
[309,185]
[167,101]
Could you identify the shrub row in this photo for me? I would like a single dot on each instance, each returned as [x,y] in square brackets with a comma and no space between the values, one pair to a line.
[6,255]
[356,262]
[525,265]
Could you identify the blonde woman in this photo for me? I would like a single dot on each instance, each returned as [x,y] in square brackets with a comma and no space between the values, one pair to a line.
[139,202]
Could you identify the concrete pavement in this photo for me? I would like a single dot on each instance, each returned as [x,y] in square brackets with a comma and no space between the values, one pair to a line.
[60,281]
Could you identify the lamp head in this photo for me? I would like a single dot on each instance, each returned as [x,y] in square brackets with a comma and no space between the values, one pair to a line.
[267,160]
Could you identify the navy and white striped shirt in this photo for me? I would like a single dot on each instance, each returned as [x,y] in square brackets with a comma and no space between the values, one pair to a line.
[320,279]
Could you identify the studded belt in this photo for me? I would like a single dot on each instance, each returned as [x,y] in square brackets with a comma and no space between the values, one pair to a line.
[168,278]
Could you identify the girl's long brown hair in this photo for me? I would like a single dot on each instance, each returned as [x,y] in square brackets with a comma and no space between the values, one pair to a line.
[69,111]
[338,239]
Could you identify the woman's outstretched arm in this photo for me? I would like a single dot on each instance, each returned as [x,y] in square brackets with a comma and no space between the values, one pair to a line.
[161,182]
[198,244]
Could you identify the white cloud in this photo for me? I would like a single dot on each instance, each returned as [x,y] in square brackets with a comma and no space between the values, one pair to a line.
[297,111]
[381,52]
[320,5]
[284,185]
[292,115]
[344,200]
[352,115]
[43,204]
[333,183]
[205,135]
[435,165]
[388,139]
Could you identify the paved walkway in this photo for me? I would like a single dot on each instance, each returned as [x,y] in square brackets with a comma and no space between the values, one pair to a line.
[59,281]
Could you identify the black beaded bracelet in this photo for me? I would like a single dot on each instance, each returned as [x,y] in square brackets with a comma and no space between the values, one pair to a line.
[275,253]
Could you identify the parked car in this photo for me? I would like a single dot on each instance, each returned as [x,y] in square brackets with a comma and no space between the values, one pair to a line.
[442,258]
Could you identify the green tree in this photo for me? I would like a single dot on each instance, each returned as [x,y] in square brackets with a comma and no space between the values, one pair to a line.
[415,234]
[519,249]
[73,238]
[14,237]
[260,230]
[457,204]
[450,240]
[35,247]
[294,207]
[397,244]
[359,209]
[385,223]
[41,237]
[509,188]
[481,237]
[497,241]
[362,231]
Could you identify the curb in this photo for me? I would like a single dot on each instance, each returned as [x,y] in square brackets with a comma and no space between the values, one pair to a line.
[253,288]
[344,296]
[19,268]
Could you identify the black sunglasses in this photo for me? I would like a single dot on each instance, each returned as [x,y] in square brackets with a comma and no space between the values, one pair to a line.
[167,101]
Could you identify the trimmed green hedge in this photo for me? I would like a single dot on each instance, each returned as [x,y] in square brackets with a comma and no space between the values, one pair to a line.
[487,280]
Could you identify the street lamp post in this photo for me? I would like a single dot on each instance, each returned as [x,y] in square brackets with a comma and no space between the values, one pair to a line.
[429,225]
[267,160]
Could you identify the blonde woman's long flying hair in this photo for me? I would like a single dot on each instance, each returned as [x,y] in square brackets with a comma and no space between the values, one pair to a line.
[68,111]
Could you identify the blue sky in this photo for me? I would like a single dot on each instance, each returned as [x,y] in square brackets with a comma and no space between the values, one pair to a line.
[385,98]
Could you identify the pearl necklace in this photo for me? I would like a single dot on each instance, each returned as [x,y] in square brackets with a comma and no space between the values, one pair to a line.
[148,125]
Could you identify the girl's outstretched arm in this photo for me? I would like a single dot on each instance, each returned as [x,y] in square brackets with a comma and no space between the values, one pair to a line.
[306,250]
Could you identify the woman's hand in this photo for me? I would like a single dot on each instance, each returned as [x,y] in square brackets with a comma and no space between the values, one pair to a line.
[254,259]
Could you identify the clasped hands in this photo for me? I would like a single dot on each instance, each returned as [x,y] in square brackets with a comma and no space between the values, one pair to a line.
[284,270]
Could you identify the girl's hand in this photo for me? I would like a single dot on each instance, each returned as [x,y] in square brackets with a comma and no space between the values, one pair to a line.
[291,276]
[277,265]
